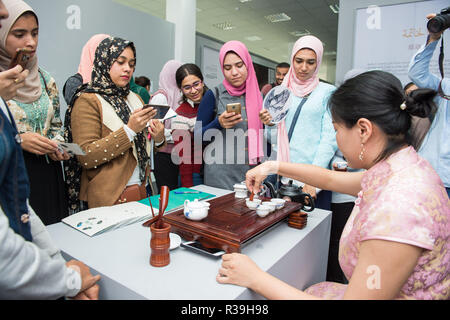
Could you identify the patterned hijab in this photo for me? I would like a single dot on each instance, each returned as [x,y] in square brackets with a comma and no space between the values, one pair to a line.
[106,54]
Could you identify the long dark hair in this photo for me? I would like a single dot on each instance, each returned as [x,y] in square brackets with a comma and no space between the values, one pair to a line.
[378,96]
[188,69]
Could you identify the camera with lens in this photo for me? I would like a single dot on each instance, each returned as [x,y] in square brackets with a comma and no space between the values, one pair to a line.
[440,22]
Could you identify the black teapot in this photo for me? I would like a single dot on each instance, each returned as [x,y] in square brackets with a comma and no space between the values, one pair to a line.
[294,192]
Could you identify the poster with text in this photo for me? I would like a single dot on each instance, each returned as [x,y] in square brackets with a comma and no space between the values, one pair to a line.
[387,37]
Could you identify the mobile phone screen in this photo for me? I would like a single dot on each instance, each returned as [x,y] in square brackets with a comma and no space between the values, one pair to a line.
[22,56]
[199,248]
[161,110]
[234,107]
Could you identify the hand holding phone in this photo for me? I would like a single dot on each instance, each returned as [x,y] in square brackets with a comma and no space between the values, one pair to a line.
[22,56]
[228,121]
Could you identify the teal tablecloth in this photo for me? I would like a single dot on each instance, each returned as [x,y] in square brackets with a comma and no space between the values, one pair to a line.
[176,201]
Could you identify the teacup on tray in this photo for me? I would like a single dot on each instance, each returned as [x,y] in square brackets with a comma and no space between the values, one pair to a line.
[278,202]
[252,204]
[270,204]
[263,211]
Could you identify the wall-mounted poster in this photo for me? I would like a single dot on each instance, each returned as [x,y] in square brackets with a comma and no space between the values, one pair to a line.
[387,37]
[211,67]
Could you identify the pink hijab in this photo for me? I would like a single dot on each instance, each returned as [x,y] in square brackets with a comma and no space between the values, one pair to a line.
[298,87]
[253,98]
[168,84]
[88,55]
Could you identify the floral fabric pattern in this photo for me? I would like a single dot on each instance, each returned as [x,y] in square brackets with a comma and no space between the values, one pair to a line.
[43,115]
[402,200]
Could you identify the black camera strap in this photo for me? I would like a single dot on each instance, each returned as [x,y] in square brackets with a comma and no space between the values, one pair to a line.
[441,70]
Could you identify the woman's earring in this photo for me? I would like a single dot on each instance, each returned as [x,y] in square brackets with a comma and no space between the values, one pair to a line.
[361,154]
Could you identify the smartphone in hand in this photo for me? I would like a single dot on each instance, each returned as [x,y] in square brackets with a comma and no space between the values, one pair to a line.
[22,56]
[234,107]
[161,110]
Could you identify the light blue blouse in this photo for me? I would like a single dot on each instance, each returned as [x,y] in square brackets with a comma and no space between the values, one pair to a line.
[313,140]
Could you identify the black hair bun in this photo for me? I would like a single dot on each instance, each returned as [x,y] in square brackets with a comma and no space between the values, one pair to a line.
[420,102]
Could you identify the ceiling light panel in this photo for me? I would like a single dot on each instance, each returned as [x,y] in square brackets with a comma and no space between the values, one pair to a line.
[225,26]
[334,8]
[253,38]
[278,17]
[300,33]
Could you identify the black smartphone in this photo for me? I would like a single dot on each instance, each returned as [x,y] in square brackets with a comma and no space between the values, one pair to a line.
[22,56]
[161,110]
[197,247]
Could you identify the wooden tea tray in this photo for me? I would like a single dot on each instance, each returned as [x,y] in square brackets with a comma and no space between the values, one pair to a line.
[229,224]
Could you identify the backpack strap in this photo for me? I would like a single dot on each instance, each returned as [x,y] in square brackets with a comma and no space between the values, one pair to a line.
[45,82]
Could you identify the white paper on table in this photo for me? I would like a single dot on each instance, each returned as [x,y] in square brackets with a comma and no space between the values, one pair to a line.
[98,220]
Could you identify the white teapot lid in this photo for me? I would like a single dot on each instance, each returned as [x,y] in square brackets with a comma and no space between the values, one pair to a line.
[240,186]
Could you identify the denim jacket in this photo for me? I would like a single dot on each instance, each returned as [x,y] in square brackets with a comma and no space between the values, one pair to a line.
[14,184]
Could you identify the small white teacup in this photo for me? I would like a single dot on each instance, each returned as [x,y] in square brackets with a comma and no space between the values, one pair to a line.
[252,204]
[263,211]
[278,202]
[270,204]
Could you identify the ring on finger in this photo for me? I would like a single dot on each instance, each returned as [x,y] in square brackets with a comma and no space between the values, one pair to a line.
[16,80]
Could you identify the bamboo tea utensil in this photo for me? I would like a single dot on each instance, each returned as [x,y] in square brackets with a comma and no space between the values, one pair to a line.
[151,207]
[149,222]
[160,245]
[160,240]
[163,201]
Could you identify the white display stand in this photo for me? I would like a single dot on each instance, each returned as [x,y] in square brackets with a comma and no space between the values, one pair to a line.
[122,257]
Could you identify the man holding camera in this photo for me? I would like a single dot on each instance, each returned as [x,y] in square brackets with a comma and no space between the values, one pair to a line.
[435,147]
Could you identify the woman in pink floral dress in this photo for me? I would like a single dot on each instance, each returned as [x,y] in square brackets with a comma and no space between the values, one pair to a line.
[395,244]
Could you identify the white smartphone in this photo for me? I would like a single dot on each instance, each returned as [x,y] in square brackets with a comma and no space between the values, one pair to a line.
[197,247]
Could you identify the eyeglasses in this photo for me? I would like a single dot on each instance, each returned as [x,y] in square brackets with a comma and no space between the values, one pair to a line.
[196,85]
